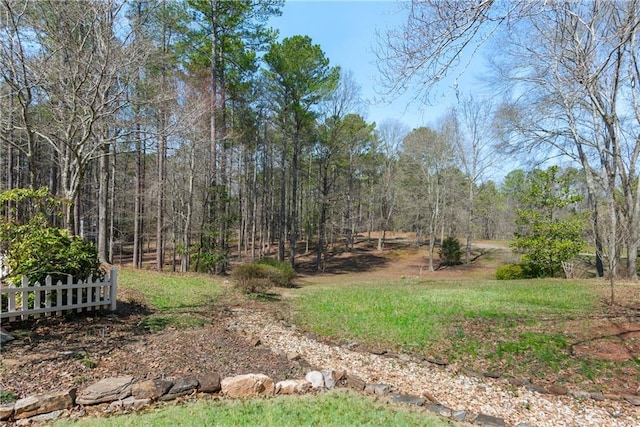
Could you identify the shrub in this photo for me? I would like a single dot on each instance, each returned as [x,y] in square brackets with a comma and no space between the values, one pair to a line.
[450,252]
[252,278]
[281,273]
[32,247]
[519,271]
[51,251]
[263,274]
[510,272]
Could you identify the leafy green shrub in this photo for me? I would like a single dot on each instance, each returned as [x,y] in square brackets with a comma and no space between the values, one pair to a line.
[252,278]
[519,271]
[450,252]
[32,247]
[510,272]
[39,252]
[281,273]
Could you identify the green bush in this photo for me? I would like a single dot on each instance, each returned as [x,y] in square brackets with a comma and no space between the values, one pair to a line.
[510,272]
[519,271]
[34,248]
[281,273]
[42,251]
[252,278]
[450,252]
[263,274]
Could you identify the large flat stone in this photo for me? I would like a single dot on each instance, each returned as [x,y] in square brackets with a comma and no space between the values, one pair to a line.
[409,400]
[44,403]
[106,390]
[356,382]
[488,421]
[6,410]
[150,389]
[293,387]
[248,385]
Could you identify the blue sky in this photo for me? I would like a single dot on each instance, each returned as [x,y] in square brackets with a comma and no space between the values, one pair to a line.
[346,32]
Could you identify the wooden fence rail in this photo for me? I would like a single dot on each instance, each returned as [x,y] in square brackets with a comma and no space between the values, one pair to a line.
[20,302]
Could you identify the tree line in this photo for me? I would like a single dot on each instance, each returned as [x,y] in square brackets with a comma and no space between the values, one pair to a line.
[186,129]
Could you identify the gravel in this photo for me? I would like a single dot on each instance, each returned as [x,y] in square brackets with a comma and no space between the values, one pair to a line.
[494,397]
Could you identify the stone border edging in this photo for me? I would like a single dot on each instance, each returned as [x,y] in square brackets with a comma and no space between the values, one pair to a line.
[126,393]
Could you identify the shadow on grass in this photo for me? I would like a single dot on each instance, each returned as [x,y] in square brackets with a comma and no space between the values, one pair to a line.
[359,260]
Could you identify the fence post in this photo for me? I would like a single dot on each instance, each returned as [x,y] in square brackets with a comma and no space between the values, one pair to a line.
[113,278]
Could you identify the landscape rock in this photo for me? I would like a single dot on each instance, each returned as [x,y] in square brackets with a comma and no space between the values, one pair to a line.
[597,396]
[519,382]
[329,378]
[6,410]
[460,416]
[315,378]
[248,385]
[209,383]
[441,410]
[106,390]
[558,390]
[355,382]
[580,394]
[181,387]
[43,403]
[488,421]
[634,400]
[48,417]
[254,341]
[377,389]
[535,387]
[409,400]
[129,403]
[293,387]
[492,374]
[150,389]
[439,362]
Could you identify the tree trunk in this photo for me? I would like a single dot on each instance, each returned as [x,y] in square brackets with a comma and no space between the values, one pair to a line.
[103,202]
[293,231]
[138,201]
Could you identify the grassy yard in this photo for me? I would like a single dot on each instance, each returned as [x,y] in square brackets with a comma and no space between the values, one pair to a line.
[338,408]
[513,327]
[178,300]
[414,314]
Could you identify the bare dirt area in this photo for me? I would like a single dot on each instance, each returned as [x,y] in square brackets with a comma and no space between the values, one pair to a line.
[57,353]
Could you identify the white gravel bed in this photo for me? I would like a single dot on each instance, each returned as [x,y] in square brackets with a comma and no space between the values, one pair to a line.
[456,391]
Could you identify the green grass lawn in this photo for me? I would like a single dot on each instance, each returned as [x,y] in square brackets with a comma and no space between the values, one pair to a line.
[167,291]
[414,314]
[337,408]
[177,300]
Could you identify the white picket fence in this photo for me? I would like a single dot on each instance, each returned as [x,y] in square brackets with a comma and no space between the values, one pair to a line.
[24,300]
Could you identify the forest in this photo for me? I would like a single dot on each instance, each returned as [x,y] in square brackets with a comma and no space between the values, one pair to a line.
[186,134]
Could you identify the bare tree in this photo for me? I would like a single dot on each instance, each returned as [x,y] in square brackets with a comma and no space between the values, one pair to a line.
[78,73]
[391,133]
[572,68]
[469,126]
